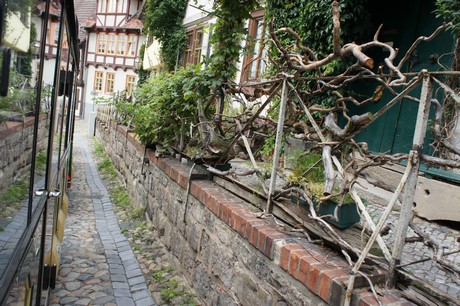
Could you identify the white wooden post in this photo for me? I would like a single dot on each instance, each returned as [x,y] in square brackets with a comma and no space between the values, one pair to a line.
[409,190]
[279,138]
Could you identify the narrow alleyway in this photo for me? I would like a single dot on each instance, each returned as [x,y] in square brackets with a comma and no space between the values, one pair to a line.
[98,266]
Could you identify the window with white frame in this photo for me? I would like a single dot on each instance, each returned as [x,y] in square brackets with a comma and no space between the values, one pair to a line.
[130,84]
[109,82]
[98,79]
[101,43]
[121,44]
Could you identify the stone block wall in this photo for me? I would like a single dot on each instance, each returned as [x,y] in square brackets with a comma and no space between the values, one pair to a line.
[229,255]
[16,148]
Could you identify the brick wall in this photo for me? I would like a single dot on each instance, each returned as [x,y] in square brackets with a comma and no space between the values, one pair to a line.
[229,255]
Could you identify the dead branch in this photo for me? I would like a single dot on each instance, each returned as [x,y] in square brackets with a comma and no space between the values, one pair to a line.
[354,123]
[419,40]
[437,129]
[430,160]
[328,169]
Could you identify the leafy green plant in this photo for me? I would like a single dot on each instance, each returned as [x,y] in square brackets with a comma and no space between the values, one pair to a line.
[40,162]
[167,102]
[20,96]
[449,10]
[163,20]
[13,196]
[312,20]
[269,146]
[159,275]
[98,149]
[120,197]
[228,33]
[106,167]
[17,192]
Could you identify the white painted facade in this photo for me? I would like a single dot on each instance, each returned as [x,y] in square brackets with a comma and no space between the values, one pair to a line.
[114,21]
[17,32]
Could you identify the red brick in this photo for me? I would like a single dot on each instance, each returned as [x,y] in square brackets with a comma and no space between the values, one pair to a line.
[174,174]
[270,242]
[326,279]
[183,180]
[240,221]
[251,223]
[263,232]
[258,235]
[304,267]
[209,201]
[368,301]
[338,290]
[231,209]
[389,298]
[195,189]
[294,262]
[285,254]
[314,276]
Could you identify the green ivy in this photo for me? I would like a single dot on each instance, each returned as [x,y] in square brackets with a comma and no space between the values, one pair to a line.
[142,74]
[163,20]
[166,102]
[228,33]
[450,11]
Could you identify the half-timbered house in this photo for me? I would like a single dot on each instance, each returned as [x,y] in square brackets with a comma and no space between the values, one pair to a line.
[113,38]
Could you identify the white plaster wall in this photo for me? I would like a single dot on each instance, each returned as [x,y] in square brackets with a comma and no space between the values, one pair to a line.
[16,33]
[193,14]
[92,42]
[151,58]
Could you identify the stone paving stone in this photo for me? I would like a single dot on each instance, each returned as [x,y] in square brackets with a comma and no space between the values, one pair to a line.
[121,292]
[136,280]
[94,252]
[125,301]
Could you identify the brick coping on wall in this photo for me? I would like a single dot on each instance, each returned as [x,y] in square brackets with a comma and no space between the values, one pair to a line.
[325,276]
[8,128]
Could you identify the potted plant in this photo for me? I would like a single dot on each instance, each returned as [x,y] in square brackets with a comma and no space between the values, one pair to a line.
[308,174]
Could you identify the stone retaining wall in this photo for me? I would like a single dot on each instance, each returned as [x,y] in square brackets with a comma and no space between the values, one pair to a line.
[16,147]
[229,255]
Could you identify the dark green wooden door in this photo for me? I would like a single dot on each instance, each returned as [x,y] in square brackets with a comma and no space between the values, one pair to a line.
[394,131]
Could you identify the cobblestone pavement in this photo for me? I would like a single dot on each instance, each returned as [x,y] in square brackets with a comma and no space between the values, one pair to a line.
[428,271]
[98,266]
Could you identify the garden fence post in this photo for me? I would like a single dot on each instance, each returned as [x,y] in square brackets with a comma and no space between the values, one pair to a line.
[406,214]
[278,144]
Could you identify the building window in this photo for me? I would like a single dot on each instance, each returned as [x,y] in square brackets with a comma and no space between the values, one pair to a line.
[192,54]
[121,44]
[111,6]
[48,32]
[132,45]
[253,64]
[130,84]
[101,43]
[98,78]
[56,33]
[198,43]
[111,43]
[188,49]
[109,83]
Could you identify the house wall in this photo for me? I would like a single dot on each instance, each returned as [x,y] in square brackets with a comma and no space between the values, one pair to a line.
[16,33]
[152,57]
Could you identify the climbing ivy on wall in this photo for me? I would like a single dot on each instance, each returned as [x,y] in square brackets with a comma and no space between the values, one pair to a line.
[312,20]
[450,11]
[228,33]
[163,20]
